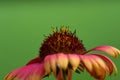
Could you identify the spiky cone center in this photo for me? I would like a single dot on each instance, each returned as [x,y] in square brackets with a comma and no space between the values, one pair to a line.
[61,41]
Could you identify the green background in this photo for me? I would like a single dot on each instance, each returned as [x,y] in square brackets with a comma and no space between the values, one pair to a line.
[23,25]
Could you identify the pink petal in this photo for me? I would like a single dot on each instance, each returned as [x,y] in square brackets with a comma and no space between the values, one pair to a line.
[86,62]
[69,74]
[53,62]
[35,60]
[29,72]
[100,62]
[93,66]
[53,59]
[99,66]
[109,63]
[60,75]
[74,60]
[62,61]
[108,49]
[47,65]
[98,71]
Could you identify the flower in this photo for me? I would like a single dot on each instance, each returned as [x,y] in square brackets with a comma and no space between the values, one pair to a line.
[61,53]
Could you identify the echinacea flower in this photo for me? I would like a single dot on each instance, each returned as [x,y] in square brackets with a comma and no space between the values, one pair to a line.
[61,53]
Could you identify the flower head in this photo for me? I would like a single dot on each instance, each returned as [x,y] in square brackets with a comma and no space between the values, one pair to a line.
[61,53]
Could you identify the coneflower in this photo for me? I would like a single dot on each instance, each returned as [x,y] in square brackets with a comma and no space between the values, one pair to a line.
[61,53]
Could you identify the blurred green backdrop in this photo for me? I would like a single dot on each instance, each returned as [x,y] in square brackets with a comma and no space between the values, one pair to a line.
[23,25]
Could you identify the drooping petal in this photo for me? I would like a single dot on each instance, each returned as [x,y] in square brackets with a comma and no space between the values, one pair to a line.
[53,65]
[74,60]
[100,62]
[109,63]
[108,49]
[86,62]
[99,67]
[60,75]
[35,60]
[62,61]
[47,65]
[93,66]
[98,72]
[53,62]
[30,72]
[69,74]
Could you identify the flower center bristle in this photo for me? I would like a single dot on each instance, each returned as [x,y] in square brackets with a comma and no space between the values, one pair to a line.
[61,41]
